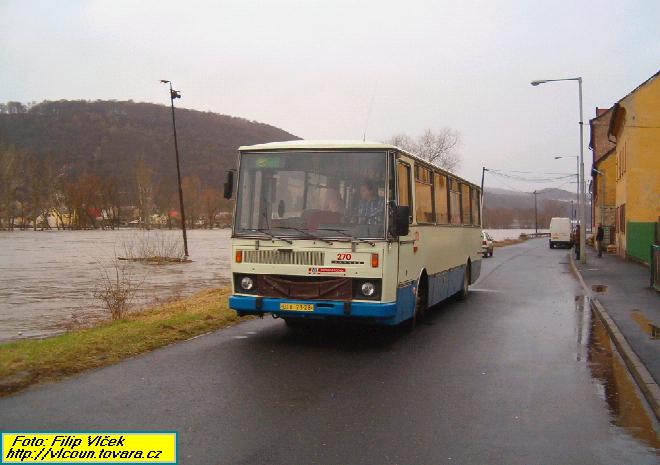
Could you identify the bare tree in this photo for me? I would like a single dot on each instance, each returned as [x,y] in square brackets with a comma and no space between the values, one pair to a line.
[192,191]
[9,183]
[117,287]
[145,191]
[437,147]
[210,204]
[110,203]
[37,184]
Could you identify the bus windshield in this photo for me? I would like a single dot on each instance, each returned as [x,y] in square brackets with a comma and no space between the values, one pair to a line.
[311,194]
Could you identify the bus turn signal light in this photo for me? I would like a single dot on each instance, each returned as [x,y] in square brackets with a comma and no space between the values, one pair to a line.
[374,260]
[239,256]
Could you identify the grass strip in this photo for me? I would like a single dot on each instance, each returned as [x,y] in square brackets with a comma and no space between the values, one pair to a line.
[29,361]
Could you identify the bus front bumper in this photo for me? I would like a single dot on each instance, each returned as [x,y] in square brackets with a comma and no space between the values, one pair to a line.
[374,312]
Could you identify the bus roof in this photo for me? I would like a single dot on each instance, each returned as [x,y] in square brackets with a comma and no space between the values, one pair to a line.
[317,144]
[342,144]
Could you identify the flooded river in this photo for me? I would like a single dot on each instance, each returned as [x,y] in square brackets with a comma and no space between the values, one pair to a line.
[48,278]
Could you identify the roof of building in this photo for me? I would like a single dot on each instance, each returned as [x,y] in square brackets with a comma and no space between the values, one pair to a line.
[618,112]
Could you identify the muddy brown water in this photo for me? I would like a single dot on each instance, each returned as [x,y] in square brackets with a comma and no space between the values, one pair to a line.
[47,278]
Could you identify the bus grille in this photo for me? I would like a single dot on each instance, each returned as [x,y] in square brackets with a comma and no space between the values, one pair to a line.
[279,257]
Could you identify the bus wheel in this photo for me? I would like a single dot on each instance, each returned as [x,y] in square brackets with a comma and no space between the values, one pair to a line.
[463,293]
[420,307]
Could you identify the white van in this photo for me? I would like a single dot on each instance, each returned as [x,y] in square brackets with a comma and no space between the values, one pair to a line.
[560,232]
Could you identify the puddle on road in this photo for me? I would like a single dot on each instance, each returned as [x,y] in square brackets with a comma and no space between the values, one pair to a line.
[627,410]
[645,325]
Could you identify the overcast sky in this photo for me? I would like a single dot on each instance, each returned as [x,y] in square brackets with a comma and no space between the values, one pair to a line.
[314,67]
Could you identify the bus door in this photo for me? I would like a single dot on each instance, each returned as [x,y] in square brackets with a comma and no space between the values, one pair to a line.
[406,274]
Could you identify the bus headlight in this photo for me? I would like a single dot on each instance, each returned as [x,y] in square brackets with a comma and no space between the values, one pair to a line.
[247,283]
[368,289]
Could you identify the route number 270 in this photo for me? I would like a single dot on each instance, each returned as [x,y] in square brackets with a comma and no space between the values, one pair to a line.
[344,256]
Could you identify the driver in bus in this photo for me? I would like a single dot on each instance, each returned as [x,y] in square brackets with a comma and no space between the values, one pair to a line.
[370,207]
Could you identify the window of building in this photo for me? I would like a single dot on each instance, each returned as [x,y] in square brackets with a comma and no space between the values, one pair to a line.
[440,195]
[622,218]
[465,204]
[423,195]
[454,202]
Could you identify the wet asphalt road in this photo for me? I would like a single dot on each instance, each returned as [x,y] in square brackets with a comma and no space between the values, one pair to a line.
[500,378]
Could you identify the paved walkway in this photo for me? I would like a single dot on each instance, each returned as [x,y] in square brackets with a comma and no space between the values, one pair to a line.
[629,300]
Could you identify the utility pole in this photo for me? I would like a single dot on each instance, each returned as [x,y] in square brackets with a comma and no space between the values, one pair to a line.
[176,94]
[602,204]
[583,198]
[536,216]
[481,201]
[582,201]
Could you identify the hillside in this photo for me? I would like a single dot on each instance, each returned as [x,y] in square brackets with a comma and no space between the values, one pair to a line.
[82,164]
[495,197]
[108,138]
[505,208]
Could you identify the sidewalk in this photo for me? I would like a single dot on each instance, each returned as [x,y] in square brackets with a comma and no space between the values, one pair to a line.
[629,301]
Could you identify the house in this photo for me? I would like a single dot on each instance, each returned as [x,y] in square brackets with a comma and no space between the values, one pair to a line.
[603,186]
[634,131]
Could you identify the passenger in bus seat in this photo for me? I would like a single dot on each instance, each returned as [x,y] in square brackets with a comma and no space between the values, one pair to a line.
[332,201]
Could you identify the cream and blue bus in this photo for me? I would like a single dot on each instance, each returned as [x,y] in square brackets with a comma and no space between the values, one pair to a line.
[349,230]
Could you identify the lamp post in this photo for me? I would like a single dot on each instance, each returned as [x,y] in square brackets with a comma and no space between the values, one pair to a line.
[176,94]
[577,173]
[536,215]
[582,203]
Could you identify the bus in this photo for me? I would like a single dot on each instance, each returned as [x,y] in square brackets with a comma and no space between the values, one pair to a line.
[357,231]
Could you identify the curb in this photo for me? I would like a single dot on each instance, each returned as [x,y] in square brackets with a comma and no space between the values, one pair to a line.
[640,374]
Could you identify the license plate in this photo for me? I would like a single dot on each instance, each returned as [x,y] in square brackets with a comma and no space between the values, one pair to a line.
[297,307]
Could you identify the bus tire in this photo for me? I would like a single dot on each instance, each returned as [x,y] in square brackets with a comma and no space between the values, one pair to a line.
[463,293]
[421,303]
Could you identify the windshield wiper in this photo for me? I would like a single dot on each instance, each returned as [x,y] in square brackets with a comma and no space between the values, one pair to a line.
[343,233]
[306,232]
[272,236]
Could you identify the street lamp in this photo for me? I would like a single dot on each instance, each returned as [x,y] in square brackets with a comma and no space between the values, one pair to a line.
[577,173]
[582,203]
[176,94]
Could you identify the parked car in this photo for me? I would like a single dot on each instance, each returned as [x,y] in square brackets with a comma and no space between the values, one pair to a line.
[486,244]
[560,232]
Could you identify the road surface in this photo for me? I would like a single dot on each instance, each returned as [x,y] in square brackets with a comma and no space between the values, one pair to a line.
[513,375]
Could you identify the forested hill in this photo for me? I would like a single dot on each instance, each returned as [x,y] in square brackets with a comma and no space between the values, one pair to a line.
[109,138]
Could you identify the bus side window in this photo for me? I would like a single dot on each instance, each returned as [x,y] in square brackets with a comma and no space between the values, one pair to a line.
[404,191]
[476,210]
[424,195]
[440,191]
[466,217]
[454,202]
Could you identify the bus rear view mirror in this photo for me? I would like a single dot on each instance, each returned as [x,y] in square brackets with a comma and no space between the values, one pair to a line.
[229,184]
[401,220]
